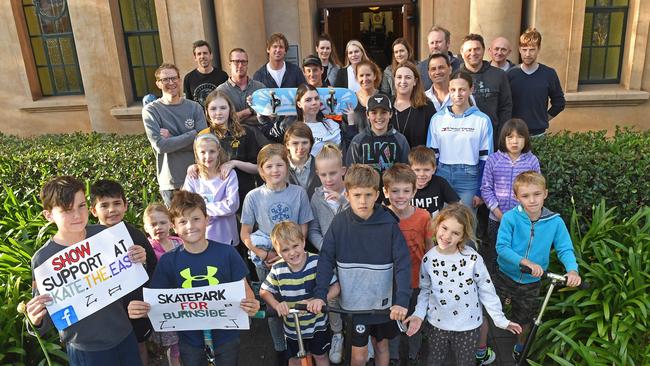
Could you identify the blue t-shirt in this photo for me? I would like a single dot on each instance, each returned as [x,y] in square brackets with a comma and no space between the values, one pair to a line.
[218,263]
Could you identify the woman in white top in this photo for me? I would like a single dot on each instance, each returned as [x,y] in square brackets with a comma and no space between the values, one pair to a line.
[329,58]
[346,77]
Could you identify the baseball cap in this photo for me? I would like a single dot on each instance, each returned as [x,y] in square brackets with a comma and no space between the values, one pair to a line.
[379,100]
[312,60]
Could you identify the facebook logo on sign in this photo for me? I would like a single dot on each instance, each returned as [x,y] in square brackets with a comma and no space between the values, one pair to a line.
[64,318]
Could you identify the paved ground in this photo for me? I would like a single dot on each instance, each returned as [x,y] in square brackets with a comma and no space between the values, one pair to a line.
[257,349]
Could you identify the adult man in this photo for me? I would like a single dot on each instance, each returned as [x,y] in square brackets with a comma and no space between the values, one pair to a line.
[171,123]
[491,87]
[277,73]
[239,86]
[438,40]
[199,82]
[499,52]
[439,73]
[533,85]
[312,68]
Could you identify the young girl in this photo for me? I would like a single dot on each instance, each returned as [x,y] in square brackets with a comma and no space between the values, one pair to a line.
[501,169]
[221,195]
[266,206]
[308,110]
[329,58]
[413,110]
[302,168]
[461,136]
[157,224]
[402,52]
[454,283]
[241,143]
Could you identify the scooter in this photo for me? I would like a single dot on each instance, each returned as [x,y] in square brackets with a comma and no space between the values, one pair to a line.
[557,280]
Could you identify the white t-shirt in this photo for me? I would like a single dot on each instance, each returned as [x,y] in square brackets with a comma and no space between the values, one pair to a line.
[324,132]
[352,80]
[277,75]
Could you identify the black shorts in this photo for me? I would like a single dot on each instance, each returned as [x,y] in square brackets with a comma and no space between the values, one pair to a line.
[318,345]
[360,332]
[522,298]
[142,329]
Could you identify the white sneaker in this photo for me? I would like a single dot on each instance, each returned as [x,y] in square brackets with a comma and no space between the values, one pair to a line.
[336,351]
[371,351]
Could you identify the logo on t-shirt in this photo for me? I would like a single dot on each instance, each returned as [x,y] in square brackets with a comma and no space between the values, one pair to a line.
[189,123]
[210,271]
[279,212]
[202,91]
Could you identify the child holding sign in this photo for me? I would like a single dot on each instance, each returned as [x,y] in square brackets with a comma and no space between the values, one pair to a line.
[292,280]
[199,262]
[105,337]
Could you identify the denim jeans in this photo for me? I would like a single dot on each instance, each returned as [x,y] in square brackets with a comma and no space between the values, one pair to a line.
[464,179]
[125,354]
[225,355]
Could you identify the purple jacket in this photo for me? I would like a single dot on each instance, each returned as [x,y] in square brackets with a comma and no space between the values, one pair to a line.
[498,178]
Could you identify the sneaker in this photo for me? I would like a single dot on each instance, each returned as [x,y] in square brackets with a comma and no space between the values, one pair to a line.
[516,355]
[487,358]
[336,351]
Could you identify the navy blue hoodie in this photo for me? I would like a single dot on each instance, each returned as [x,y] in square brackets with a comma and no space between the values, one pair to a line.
[372,262]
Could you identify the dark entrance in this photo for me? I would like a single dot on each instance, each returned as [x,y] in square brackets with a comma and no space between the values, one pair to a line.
[375,26]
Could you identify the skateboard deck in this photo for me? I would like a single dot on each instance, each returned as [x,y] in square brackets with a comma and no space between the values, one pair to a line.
[281,101]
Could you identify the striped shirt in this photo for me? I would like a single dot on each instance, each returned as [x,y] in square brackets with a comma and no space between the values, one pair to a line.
[293,287]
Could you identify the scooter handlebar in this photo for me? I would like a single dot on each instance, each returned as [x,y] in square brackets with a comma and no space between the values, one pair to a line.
[584,285]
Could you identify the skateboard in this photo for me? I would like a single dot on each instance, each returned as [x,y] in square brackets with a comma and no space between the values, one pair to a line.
[281,101]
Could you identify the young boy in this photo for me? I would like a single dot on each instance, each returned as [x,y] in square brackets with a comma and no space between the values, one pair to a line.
[106,337]
[108,204]
[327,201]
[525,237]
[199,262]
[433,191]
[291,281]
[378,146]
[366,247]
[302,169]
[415,224]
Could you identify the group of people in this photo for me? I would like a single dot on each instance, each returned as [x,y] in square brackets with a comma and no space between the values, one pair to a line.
[375,209]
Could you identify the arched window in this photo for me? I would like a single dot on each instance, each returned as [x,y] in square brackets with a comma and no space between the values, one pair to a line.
[603,41]
[142,44]
[52,43]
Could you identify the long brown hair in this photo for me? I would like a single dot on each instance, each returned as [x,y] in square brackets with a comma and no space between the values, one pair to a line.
[460,213]
[409,49]
[418,98]
[334,56]
[234,127]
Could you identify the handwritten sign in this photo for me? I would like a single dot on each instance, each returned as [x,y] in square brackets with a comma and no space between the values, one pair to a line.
[199,308]
[86,277]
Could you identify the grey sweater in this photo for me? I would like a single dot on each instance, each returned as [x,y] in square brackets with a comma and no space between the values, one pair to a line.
[175,153]
[323,216]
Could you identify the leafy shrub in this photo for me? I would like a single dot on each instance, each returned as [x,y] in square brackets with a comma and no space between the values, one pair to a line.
[608,323]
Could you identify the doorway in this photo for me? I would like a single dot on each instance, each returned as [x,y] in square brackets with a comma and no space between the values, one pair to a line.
[375,26]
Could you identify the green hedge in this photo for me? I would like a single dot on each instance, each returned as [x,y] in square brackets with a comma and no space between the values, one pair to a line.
[582,169]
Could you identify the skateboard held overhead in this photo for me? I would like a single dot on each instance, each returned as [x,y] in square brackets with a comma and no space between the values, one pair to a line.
[281,101]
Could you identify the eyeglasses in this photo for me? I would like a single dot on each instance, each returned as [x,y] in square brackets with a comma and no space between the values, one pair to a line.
[169,80]
[240,62]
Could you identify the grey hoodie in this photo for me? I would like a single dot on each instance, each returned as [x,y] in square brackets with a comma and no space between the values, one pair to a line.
[323,216]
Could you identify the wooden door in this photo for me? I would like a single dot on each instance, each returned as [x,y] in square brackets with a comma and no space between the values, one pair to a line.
[409,30]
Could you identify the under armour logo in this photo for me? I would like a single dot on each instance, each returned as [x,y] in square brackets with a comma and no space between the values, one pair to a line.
[209,276]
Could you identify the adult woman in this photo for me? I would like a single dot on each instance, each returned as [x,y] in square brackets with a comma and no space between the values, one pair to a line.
[329,58]
[368,77]
[402,52]
[461,136]
[346,77]
[413,110]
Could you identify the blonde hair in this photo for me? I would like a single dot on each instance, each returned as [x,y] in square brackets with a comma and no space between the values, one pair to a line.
[155,207]
[221,155]
[530,38]
[330,151]
[361,176]
[269,151]
[460,213]
[286,231]
[529,177]
[354,42]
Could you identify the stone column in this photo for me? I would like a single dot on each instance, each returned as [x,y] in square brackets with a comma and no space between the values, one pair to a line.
[497,18]
[240,23]
[453,15]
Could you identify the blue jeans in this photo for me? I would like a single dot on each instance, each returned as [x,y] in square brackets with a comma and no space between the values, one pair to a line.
[124,354]
[464,179]
[225,355]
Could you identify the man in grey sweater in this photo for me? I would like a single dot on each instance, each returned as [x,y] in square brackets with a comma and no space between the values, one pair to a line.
[171,123]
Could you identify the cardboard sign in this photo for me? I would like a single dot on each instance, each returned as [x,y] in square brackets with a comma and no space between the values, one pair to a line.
[199,308]
[86,277]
